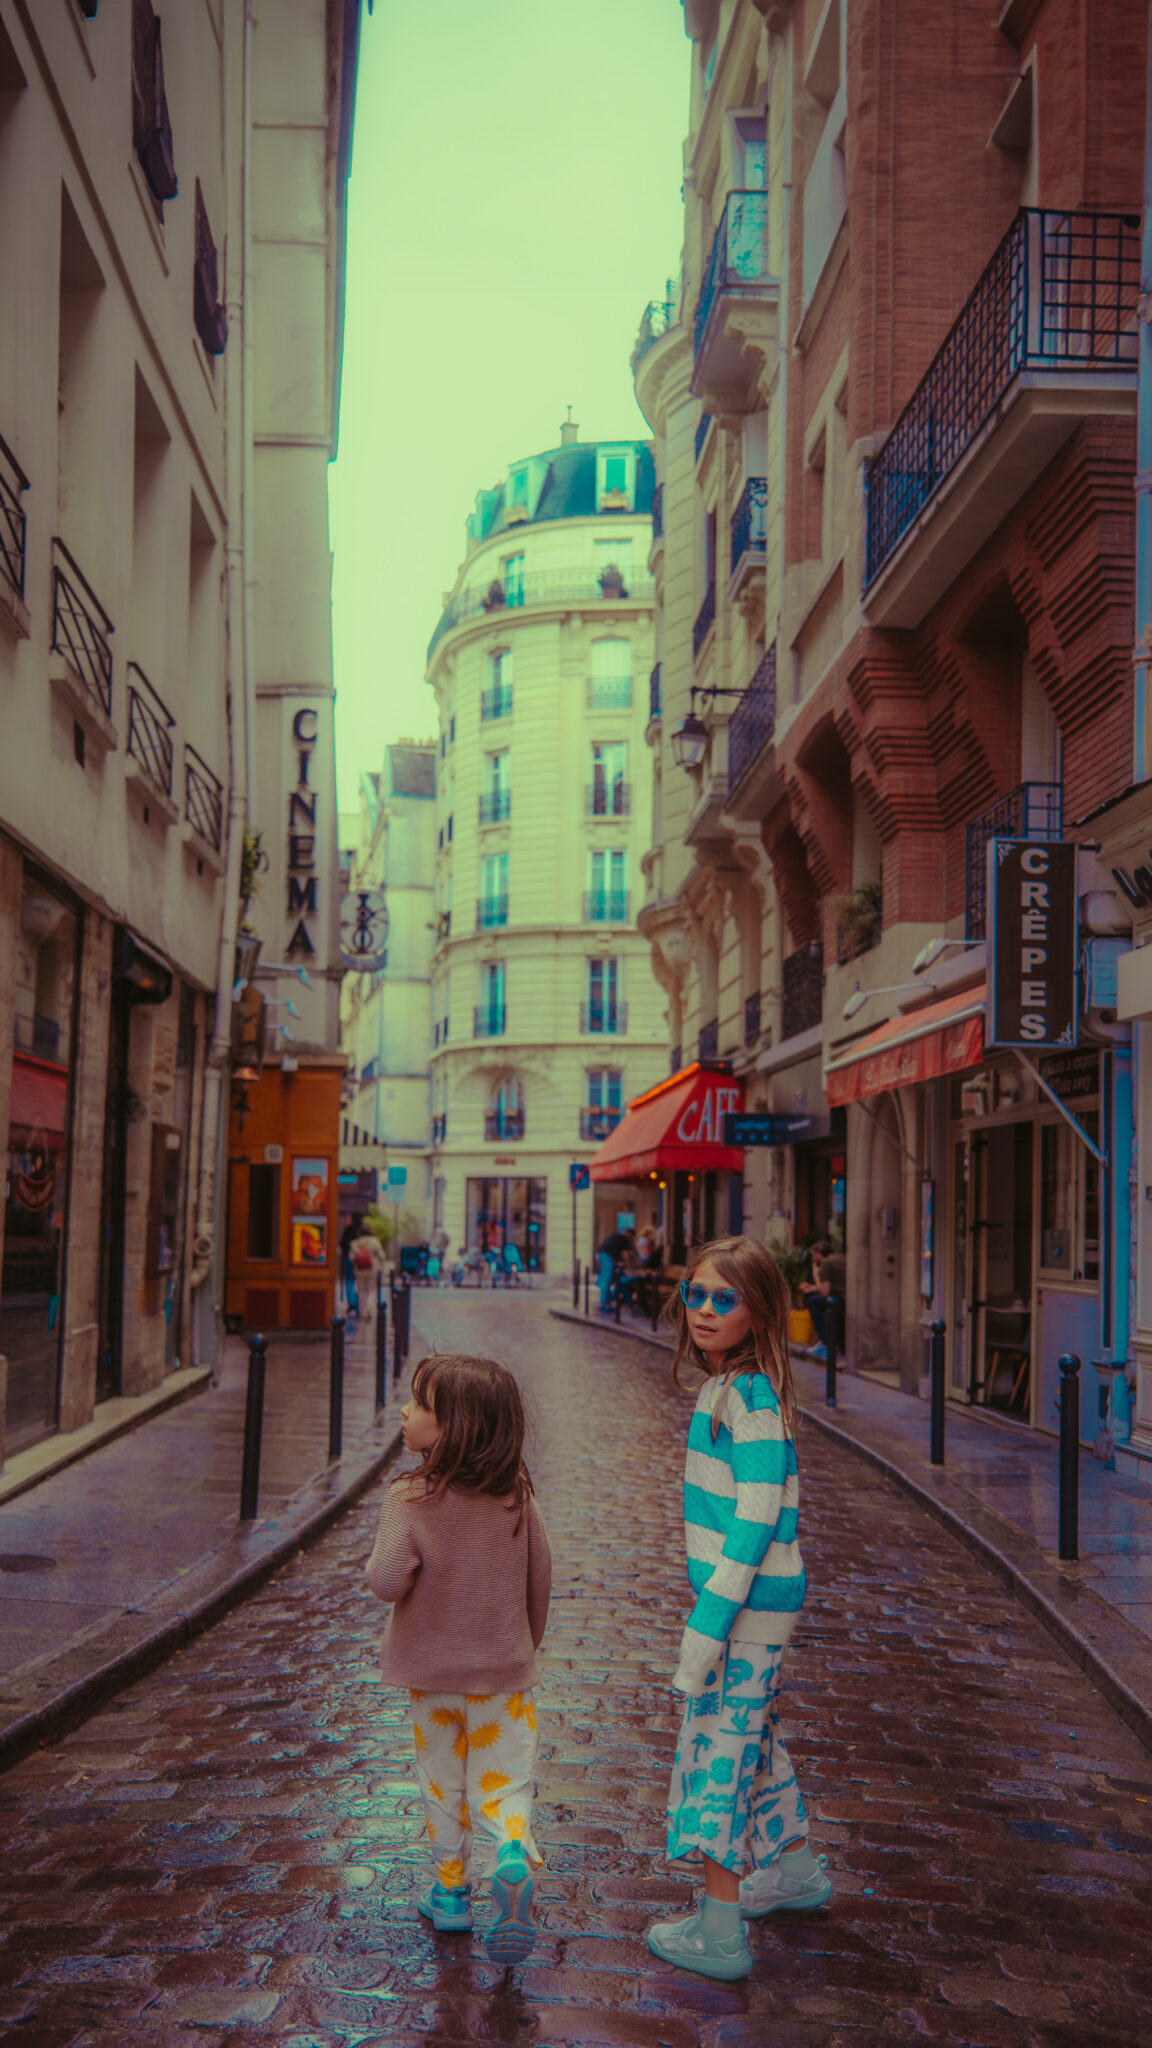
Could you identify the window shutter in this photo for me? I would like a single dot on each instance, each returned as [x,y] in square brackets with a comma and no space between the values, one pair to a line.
[151,128]
[211,321]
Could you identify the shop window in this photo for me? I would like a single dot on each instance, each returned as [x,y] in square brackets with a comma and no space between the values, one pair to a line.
[1069,1201]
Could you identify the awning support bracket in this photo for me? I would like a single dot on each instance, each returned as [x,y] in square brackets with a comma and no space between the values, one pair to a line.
[1100,1157]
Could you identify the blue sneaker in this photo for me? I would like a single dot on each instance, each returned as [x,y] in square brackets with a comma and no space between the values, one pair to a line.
[512,1934]
[816,1351]
[449,1911]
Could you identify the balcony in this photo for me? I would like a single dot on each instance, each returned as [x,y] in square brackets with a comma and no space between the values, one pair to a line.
[495,806]
[562,589]
[439,1128]
[749,537]
[203,800]
[81,641]
[752,1012]
[609,693]
[708,1042]
[605,799]
[13,542]
[442,928]
[802,991]
[658,316]
[496,702]
[491,912]
[150,749]
[1032,811]
[504,1123]
[658,513]
[654,696]
[752,724]
[705,620]
[597,1124]
[737,312]
[606,906]
[1048,337]
[608,1018]
[488,1020]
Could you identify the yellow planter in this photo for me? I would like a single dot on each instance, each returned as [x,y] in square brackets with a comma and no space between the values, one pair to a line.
[801,1328]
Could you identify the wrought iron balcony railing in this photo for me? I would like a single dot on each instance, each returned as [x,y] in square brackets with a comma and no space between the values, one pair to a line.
[1034,810]
[702,426]
[749,521]
[606,906]
[203,799]
[81,628]
[605,799]
[704,620]
[654,696]
[739,254]
[658,316]
[150,726]
[439,1128]
[1060,293]
[488,1020]
[752,1009]
[490,912]
[495,806]
[603,1017]
[658,512]
[504,1123]
[557,587]
[708,1042]
[802,991]
[609,693]
[753,722]
[496,702]
[13,520]
[596,1124]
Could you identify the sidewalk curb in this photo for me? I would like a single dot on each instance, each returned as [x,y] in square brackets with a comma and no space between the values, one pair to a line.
[43,1703]
[1101,1619]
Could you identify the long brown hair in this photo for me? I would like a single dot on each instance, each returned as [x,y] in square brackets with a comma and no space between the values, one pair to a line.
[749,1267]
[480,1448]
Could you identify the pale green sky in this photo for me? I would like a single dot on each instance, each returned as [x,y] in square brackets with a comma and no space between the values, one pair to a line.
[514,204]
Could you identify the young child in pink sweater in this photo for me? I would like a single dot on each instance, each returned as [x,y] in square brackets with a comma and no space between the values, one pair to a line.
[463,1555]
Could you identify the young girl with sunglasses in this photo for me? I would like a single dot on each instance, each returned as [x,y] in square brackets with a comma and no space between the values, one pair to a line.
[734,1795]
[462,1552]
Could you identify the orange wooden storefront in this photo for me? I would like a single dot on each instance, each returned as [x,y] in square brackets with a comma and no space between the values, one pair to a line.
[283,1143]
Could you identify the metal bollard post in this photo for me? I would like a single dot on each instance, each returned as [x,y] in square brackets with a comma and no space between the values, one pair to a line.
[585,1290]
[407,1318]
[1069,1366]
[936,1370]
[397,1336]
[253,1426]
[619,1293]
[336,1389]
[575,1283]
[833,1313]
[655,1302]
[381,1347]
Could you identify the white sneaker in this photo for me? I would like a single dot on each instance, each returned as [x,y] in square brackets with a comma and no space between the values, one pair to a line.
[793,1884]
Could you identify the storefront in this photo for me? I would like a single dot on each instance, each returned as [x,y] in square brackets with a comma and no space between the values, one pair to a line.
[512,1210]
[667,1165]
[283,1241]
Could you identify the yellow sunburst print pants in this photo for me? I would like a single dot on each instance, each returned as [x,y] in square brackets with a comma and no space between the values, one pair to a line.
[476,1763]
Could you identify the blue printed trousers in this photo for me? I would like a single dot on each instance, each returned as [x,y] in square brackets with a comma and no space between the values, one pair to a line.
[734,1795]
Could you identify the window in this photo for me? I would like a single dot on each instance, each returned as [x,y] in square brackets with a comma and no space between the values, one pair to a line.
[505,1118]
[495,796]
[751,153]
[512,577]
[490,1008]
[518,487]
[607,889]
[604,1103]
[264,1212]
[493,905]
[614,565]
[496,699]
[151,127]
[615,479]
[1070,1200]
[608,794]
[610,685]
[208,315]
[603,1010]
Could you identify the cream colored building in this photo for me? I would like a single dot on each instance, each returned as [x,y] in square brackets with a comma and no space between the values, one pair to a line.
[545,1017]
[155,335]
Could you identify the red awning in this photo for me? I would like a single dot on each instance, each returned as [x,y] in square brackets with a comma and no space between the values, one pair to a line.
[39,1095]
[942,1038]
[678,1124]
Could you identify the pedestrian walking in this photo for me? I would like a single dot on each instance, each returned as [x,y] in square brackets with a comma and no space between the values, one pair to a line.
[734,1795]
[368,1265]
[463,1553]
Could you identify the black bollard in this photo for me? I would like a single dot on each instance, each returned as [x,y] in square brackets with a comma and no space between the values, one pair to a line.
[336,1389]
[575,1283]
[585,1290]
[397,1335]
[253,1426]
[1069,1366]
[406,1297]
[936,1371]
[654,1303]
[833,1316]
[381,1347]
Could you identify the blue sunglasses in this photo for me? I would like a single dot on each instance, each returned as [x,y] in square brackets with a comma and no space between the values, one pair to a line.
[724,1299]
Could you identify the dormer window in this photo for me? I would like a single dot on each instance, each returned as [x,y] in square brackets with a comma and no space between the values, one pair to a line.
[615,479]
[516,507]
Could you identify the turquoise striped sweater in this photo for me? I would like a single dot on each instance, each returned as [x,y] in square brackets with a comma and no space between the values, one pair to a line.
[741,1512]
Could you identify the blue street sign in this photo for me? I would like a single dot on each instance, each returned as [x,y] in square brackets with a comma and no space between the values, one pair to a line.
[784,1128]
[397,1176]
[579,1175]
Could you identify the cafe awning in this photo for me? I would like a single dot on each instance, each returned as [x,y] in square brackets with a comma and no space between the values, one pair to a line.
[680,1124]
[943,1038]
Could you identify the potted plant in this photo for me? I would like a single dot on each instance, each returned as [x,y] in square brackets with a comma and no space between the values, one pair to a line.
[795,1263]
[494,595]
[859,916]
[612,582]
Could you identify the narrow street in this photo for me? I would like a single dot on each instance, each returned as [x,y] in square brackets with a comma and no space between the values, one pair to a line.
[230,1852]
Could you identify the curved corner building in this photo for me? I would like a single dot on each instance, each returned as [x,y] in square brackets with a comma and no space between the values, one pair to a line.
[546,1018]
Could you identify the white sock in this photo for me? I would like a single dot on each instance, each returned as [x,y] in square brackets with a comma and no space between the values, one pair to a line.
[720,1920]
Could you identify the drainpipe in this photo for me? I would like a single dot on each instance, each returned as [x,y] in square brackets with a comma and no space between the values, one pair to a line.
[1142,752]
[208,1249]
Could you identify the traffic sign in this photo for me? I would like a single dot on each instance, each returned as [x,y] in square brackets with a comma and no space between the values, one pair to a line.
[579,1175]
[397,1176]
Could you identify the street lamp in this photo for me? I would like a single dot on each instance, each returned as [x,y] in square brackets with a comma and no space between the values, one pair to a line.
[929,954]
[860,996]
[689,739]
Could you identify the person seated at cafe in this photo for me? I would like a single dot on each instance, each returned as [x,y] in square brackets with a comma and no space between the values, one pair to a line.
[829,1276]
[609,1257]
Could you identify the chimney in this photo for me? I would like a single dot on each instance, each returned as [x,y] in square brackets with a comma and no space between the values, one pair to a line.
[569,430]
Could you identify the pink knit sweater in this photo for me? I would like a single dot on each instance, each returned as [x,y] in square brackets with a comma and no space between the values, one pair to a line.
[470,1591]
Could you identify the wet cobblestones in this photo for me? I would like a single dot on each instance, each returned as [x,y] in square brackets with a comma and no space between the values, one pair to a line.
[230,1851]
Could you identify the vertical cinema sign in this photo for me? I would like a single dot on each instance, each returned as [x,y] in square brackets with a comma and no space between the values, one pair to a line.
[1032,938]
[303,878]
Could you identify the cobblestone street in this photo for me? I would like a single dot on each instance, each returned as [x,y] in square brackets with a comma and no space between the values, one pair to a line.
[230,1851]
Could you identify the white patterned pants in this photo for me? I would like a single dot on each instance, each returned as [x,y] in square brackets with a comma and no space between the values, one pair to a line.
[475,1760]
[734,1795]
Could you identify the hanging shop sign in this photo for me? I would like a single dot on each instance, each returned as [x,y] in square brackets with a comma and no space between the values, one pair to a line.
[302,874]
[364,931]
[1032,943]
[777,1127]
